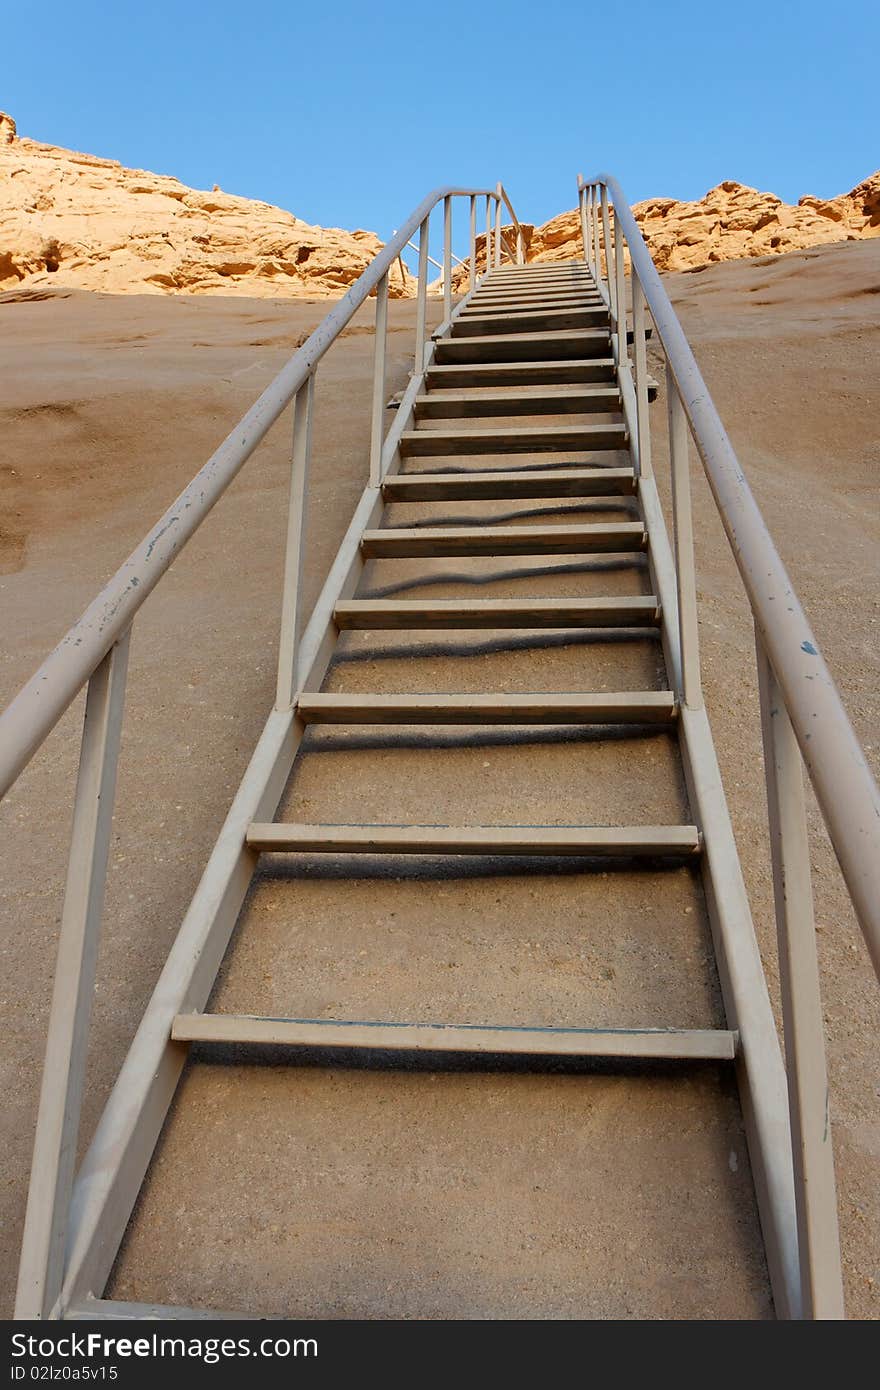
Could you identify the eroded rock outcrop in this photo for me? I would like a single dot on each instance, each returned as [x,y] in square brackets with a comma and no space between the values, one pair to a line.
[77,220]
[730,223]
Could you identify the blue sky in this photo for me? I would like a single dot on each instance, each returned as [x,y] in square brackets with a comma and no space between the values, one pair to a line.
[348,113]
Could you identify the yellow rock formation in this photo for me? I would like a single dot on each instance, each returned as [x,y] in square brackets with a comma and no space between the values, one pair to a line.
[74,219]
[77,220]
[730,223]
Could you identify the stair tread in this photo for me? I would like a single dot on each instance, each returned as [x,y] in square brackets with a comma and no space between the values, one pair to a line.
[547,371]
[416,614]
[514,438]
[525,840]
[485,300]
[552,335]
[562,391]
[707,1044]
[511,368]
[643,706]
[471,321]
[539,311]
[400,541]
[564,482]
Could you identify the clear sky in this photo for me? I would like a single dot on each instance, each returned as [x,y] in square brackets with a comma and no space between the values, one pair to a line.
[348,113]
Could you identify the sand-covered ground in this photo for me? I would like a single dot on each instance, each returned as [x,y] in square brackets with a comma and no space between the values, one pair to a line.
[109,404]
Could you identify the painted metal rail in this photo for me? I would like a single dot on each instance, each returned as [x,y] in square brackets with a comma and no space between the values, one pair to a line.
[802,715]
[94,653]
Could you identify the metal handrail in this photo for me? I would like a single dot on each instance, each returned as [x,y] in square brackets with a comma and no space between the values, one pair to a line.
[845,788]
[95,653]
[802,722]
[36,709]
[520,241]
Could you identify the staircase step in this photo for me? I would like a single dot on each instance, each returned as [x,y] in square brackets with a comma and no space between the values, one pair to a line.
[593,538]
[463,487]
[577,270]
[619,707]
[553,298]
[521,439]
[583,841]
[475,322]
[387,614]
[507,347]
[522,400]
[579,370]
[678,1044]
[537,284]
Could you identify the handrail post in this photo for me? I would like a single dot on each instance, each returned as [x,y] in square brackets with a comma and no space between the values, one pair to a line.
[640,357]
[609,259]
[497,229]
[447,258]
[473,231]
[582,208]
[589,200]
[597,264]
[48,1208]
[378,418]
[422,297]
[620,288]
[291,601]
[688,631]
[803,1023]
[488,234]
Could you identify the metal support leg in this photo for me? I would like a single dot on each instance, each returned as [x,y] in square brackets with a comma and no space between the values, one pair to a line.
[688,631]
[377,431]
[291,602]
[595,221]
[640,357]
[488,233]
[620,289]
[447,258]
[422,298]
[48,1209]
[610,276]
[813,1159]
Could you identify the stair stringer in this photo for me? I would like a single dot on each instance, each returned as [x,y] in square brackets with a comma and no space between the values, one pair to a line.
[760,1070]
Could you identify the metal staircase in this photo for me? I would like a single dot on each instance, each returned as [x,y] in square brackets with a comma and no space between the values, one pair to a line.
[532,398]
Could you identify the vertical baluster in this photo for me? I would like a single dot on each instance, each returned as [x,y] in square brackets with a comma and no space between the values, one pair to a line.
[447,257]
[640,358]
[595,218]
[498,230]
[582,209]
[620,288]
[520,247]
[473,230]
[291,599]
[48,1208]
[422,299]
[815,1196]
[685,575]
[488,233]
[377,432]
[609,260]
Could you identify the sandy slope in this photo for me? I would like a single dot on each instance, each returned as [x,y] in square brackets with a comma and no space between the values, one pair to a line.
[108,406]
